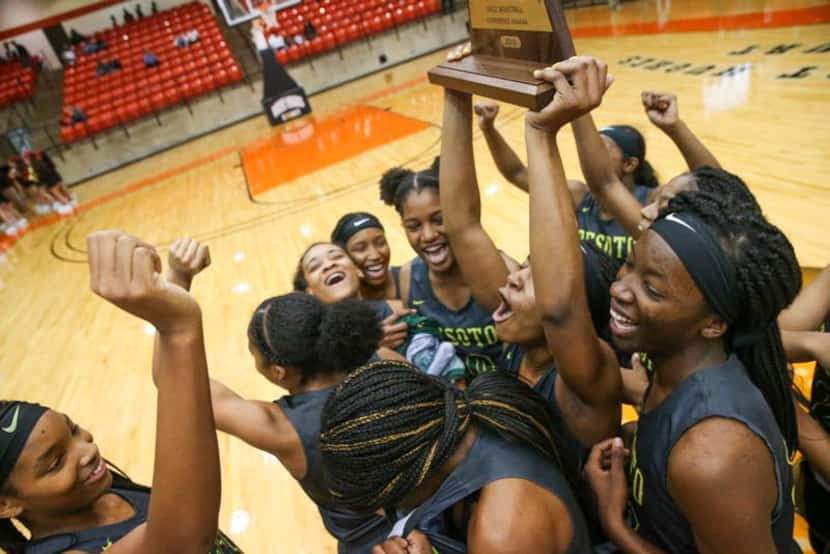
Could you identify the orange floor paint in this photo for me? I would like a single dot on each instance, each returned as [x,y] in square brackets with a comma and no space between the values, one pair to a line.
[302,150]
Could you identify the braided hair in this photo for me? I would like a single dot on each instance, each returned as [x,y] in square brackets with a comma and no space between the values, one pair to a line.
[768,278]
[398,183]
[725,185]
[297,330]
[388,427]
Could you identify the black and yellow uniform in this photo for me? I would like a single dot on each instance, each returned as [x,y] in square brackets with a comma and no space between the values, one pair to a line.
[606,234]
[490,459]
[721,391]
[471,329]
[99,539]
[817,491]
[355,533]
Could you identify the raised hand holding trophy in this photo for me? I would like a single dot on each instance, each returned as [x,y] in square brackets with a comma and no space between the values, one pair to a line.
[510,39]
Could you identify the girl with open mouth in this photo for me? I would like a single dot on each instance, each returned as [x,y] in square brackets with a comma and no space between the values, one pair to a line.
[327,272]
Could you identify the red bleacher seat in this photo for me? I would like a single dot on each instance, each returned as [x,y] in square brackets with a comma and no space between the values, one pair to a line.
[136,90]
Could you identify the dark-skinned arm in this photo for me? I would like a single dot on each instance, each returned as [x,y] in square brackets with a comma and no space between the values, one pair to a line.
[481,263]
[807,346]
[814,443]
[586,364]
[507,161]
[810,307]
[184,504]
[602,180]
[662,111]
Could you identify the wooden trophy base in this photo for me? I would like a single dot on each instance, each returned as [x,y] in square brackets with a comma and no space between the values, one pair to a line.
[504,79]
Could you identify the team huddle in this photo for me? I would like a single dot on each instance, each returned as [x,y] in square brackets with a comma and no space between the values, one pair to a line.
[469,401]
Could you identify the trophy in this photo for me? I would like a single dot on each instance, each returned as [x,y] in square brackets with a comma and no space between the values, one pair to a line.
[510,39]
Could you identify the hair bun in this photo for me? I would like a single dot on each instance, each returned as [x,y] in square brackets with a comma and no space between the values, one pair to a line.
[391,182]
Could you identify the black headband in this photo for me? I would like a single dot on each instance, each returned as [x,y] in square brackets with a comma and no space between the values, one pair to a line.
[704,259]
[353,223]
[16,424]
[628,139]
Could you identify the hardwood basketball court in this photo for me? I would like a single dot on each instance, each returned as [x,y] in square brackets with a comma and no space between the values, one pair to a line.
[753,78]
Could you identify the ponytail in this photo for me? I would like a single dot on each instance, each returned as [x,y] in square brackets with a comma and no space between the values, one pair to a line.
[349,333]
[645,176]
[297,330]
[388,427]
[397,183]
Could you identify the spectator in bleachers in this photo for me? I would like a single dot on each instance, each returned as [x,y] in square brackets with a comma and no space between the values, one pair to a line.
[22,51]
[299,39]
[180,41]
[49,177]
[77,115]
[192,36]
[10,191]
[309,31]
[448,5]
[114,21]
[276,42]
[154,7]
[128,17]
[10,54]
[150,59]
[25,178]
[75,38]
[22,54]
[2,60]
[68,54]
[103,68]
[138,13]
[93,46]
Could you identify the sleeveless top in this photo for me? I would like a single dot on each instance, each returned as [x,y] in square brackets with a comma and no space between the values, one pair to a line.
[607,234]
[471,329]
[356,533]
[820,396]
[98,539]
[720,391]
[510,361]
[381,307]
[817,490]
[490,459]
[396,276]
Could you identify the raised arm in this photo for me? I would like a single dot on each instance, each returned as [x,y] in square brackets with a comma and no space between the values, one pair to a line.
[814,443]
[602,180]
[507,162]
[261,424]
[184,504]
[481,263]
[807,346]
[661,108]
[811,307]
[586,364]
